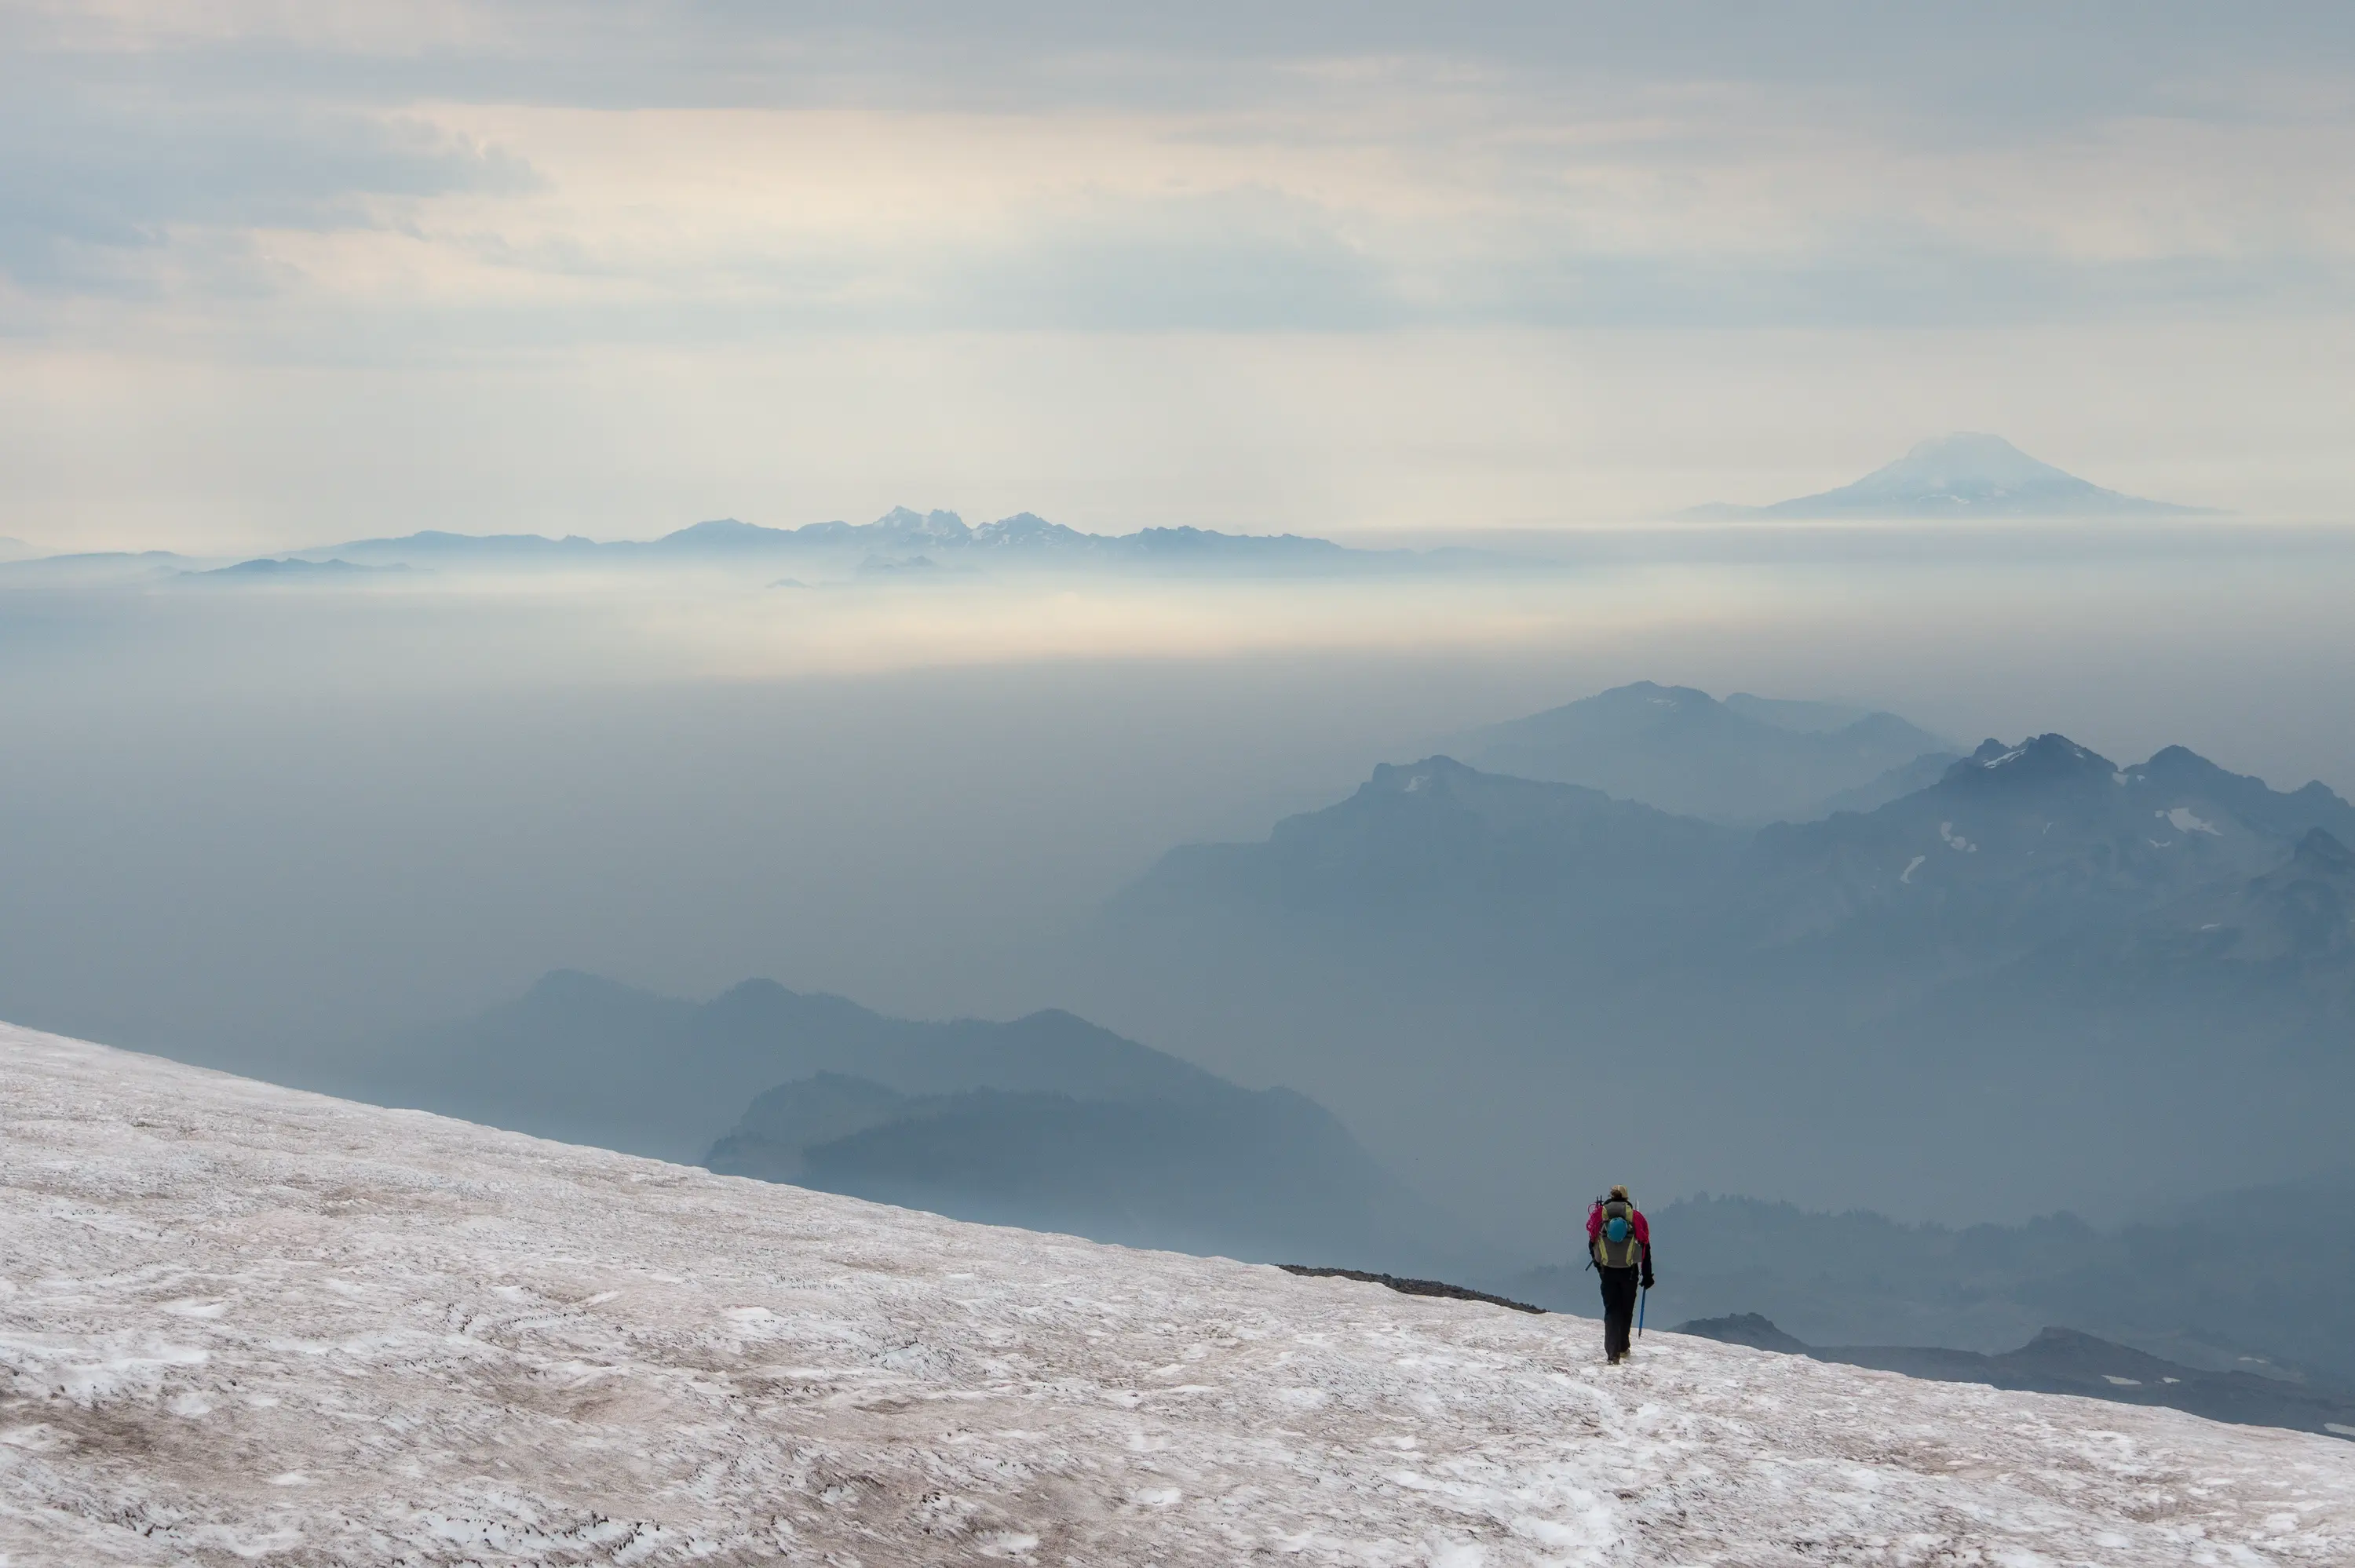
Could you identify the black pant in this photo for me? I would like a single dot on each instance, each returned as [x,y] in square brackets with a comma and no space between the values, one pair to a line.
[1618,1309]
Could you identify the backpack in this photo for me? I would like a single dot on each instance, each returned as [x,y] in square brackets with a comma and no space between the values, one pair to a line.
[1616,1245]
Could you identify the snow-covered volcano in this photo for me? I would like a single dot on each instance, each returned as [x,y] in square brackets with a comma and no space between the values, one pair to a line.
[1965,474]
[244,1324]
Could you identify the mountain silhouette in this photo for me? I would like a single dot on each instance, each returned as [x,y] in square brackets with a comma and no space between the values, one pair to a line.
[291,569]
[1961,475]
[1046,1121]
[2160,1280]
[2027,843]
[1745,759]
[2013,845]
[591,1061]
[1438,843]
[1250,1174]
[2064,1360]
[1021,541]
[2044,967]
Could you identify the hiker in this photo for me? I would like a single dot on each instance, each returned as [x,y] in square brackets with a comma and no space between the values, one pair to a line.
[1619,1248]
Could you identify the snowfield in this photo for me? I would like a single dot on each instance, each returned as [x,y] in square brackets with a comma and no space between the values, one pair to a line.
[240,1324]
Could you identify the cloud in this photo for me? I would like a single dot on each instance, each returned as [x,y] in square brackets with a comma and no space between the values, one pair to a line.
[1236,167]
[2011,65]
[108,191]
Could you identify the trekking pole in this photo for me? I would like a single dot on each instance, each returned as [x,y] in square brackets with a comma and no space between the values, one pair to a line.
[1642,1299]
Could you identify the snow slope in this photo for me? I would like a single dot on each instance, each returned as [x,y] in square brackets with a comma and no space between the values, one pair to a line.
[243,1324]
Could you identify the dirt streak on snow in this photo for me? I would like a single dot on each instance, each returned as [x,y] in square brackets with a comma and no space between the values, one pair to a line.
[239,1324]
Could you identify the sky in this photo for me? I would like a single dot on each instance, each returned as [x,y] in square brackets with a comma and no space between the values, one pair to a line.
[1528,277]
[274,275]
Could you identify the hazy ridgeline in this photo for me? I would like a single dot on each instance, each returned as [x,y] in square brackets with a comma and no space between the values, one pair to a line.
[2250,1279]
[2049,976]
[273,826]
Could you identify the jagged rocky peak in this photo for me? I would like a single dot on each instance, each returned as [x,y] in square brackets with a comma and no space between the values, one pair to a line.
[1431,774]
[1652,695]
[2039,759]
[2178,764]
[906,523]
[1027,528]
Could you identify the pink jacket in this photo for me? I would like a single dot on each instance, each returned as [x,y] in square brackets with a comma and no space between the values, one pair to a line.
[1594,1225]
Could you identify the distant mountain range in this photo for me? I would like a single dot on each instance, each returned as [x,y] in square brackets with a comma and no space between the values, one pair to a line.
[96,568]
[1747,759]
[1960,475]
[2250,1278]
[2011,848]
[897,545]
[901,536]
[2059,973]
[2043,978]
[2041,839]
[2062,1361]
[1046,1122]
[295,570]
[1955,476]
[1263,1175]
